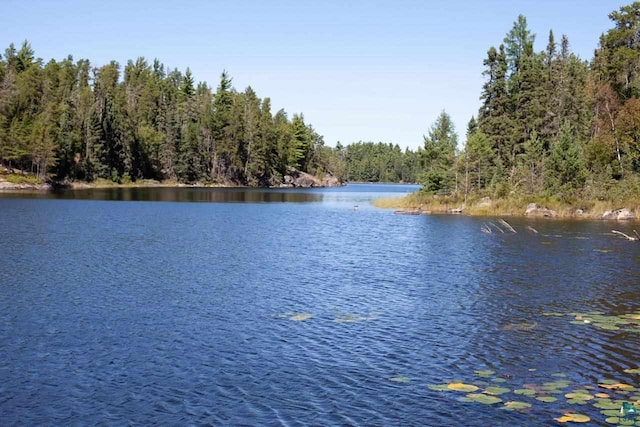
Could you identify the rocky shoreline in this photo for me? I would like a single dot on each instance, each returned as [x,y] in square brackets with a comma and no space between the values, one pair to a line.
[532,210]
[295,179]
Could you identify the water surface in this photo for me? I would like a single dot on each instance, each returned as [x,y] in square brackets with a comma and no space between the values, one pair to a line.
[146,312]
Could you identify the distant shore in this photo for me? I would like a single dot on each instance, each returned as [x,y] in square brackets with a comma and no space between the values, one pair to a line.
[420,204]
[21,181]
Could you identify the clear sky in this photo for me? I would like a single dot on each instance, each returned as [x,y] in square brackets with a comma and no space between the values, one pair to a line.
[359,70]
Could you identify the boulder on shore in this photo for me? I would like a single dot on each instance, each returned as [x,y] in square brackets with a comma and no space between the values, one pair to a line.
[299,179]
[535,210]
[9,186]
[619,214]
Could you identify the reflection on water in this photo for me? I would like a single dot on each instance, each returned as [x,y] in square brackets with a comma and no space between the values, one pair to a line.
[188,194]
[301,313]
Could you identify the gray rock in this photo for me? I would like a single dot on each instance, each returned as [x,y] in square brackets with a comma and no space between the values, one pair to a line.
[300,179]
[535,210]
[619,214]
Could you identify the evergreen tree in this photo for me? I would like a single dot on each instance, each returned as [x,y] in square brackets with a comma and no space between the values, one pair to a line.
[438,156]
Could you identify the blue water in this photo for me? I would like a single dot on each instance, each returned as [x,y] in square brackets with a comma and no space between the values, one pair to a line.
[179,313]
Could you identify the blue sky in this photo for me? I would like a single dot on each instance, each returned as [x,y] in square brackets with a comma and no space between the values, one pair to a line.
[358,70]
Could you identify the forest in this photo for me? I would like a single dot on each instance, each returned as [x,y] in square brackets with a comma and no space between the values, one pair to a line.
[74,122]
[549,124]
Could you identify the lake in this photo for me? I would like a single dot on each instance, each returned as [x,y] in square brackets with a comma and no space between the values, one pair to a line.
[185,306]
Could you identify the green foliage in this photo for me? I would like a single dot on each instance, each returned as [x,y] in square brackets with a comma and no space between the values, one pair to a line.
[145,122]
[379,162]
[15,178]
[438,156]
[565,173]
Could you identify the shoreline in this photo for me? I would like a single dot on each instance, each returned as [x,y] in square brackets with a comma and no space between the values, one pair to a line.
[414,204]
[44,187]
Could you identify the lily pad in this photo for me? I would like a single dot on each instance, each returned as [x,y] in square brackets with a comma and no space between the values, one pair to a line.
[300,317]
[499,380]
[617,386]
[601,395]
[606,404]
[610,412]
[515,405]
[466,388]
[612,420]
[496,391]
[485,399]
[578,396]
[546,399]
[559,375]
[438,387]
[576,401]
[573,418]
[399,379]
[484,373]
[525,392]
[632,371]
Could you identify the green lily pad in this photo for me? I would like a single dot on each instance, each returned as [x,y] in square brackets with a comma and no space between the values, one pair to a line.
[579,395]
[607,327]
[515,405]
[466,388]
[546,399]
[496,391]
[525,392]
[485,399]
[399,379]
[610,412]
[576,401]
[606,404]
[484,373]
[612,420]
[499,380]
[556,384]
[632,371]
[438,387]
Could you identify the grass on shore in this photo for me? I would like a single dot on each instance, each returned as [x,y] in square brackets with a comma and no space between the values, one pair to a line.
[16,178]
[514,206]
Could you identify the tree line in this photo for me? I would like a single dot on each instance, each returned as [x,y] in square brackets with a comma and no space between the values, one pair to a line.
[550,123]
[79,122]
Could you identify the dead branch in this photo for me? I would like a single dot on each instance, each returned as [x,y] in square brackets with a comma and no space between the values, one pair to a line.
[626,236]
[496,227]
[485,228]
[531,229]
[507,225]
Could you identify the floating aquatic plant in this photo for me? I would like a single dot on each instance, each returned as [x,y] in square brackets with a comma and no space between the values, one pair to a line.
[496,391]
[301,317]
[399,379]
[466,388]
[525,392]
[485,399]
[546,399]
[573,418]
[627,321]
[515,405]
[354,318]
[484,373]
